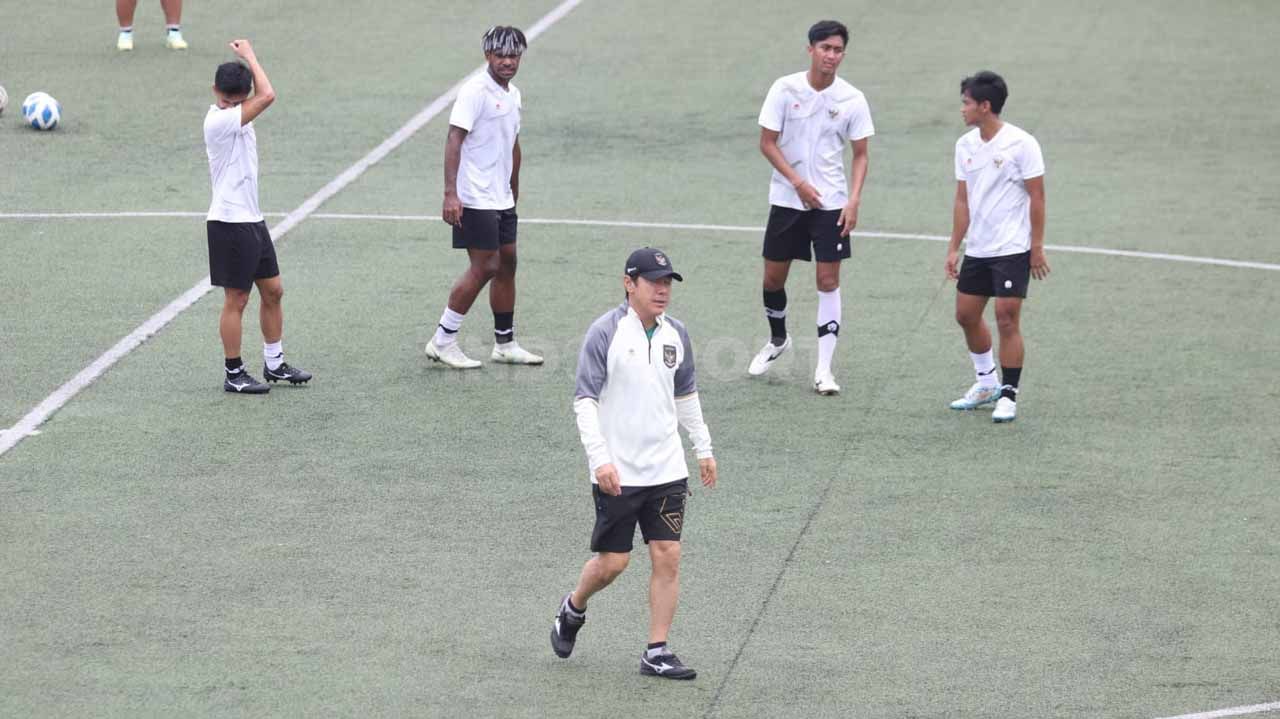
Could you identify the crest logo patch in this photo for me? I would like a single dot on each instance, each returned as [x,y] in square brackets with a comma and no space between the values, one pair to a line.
[833,111]
[669,355]
[660,259]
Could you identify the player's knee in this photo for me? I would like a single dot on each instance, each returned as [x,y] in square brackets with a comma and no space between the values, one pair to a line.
[828,284]
[611,564]
[486,269]
[272,295]
[1007,322]
[967,319]
[666,556]
[236,300]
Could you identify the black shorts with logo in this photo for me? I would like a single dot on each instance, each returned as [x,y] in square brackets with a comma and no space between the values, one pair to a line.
[790,234]
[239,253]
[659,511]
[485,229]
[1006,276]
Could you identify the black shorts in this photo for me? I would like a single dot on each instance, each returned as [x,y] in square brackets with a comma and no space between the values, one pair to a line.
[1006,276]
[790,233]
[659,511]
[239,253]
[485,229]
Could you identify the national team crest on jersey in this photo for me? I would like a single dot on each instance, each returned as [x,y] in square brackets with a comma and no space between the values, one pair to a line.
[833,112]
[999,161]
[669,355]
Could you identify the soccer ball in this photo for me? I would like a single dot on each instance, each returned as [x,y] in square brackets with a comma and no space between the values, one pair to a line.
[4,99]
[41,111]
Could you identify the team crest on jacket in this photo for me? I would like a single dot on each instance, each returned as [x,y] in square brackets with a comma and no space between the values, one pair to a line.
[669,355]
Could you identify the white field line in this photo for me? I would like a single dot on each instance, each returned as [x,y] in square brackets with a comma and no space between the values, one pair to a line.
[1079,249]
[33,419]
[1230,712]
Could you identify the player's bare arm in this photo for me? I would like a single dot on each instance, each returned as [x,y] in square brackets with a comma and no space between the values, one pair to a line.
[263,93]
[809,195]
[452,210]
[1039,263]
[849,214]
[959,228]
[515,170]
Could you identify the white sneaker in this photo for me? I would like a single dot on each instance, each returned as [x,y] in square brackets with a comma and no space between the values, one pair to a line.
[451,354]
[825,385]
[512,353]
[173,40]
[977,396]
[124,41]
[1006,410]
[765,357]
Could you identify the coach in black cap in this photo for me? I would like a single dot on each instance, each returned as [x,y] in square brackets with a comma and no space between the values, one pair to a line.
[650,264]
[635,385]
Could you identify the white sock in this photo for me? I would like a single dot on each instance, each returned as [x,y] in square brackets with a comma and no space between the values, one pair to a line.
[273,354]
[447,330]
[828,328]
[126,30]
[984,366]
[174,28]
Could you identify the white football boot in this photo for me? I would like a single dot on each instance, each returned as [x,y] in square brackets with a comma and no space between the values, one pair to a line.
[765,357]
[1006,410]
[124,41]
[451,355]
[977,396]
[825,384]
[513,353]
[173,40]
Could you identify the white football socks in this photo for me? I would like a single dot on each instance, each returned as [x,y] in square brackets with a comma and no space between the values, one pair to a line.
[828,328]
[273,354]
[984,367]
[447,331]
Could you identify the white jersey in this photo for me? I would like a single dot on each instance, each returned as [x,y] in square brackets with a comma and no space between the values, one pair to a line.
[233,166]
[995,174]
[635,379]
[813,128]
[491,116]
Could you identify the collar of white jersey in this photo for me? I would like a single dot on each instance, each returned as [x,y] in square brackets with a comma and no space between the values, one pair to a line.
[493,84]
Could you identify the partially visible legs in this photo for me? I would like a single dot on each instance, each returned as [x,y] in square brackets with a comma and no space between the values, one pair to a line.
[231,320]
[664,588]
[483,265]
[775,311]
[502,300]
[827,277]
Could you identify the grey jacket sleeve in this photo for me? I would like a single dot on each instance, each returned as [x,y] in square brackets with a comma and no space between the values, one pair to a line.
[685,382]
[593,359]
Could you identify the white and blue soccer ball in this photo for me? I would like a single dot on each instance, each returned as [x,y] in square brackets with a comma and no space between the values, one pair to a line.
[41,111]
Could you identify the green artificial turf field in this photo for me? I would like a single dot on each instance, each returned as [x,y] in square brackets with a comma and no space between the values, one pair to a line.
[392,539]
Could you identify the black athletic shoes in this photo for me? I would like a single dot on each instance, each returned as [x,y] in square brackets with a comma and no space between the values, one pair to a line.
[564,633]
[284,372]
[667,666]
[244,383]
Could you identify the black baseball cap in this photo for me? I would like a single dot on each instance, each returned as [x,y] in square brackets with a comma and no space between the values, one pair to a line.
[651,264]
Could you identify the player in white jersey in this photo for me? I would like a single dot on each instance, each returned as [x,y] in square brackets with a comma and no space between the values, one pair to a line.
[635,386]
[241,254]
[481,188]
[999,215]
[806,120]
